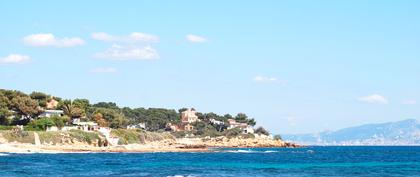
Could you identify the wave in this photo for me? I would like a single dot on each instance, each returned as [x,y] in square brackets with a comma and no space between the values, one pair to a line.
[2,154]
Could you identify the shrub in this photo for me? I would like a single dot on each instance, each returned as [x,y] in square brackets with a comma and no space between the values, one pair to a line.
[41,123]
[262,130]
[233,132]
[83,136]
[277,137]
[17,135]
[4,127]
[180,134]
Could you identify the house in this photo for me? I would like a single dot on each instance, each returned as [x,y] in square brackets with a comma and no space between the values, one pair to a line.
[189,116]
[179,127]
[216,122]
[248,130]
[137,126]
[51,113]
[243,126]
[173,127]
[85,126]
[188,127]
[52,129]
[234,124]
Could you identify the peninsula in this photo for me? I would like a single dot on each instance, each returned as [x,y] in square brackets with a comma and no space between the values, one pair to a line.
[38,122]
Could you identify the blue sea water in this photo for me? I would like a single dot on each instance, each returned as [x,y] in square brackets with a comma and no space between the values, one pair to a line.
[309,161]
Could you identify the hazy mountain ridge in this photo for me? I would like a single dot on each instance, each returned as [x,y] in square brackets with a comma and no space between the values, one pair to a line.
[405,132]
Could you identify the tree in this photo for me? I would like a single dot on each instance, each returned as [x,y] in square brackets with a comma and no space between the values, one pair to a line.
[25,106]
[42,98]
[70,109]
[81,103]
[4,111]
[182,110]
[114,117]
[241,117]
[109,105]
[42,123]
[277,137]
[99,118]
[262,130]
[252,122]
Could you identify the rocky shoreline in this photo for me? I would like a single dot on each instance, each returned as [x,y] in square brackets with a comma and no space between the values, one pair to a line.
[176,145]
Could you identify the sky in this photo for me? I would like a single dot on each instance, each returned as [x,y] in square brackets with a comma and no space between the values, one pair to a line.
[295,66]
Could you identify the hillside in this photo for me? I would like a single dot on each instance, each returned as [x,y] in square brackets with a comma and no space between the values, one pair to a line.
[405,132]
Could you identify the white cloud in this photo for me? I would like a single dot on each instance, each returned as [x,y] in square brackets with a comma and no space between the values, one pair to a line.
[118,52]
[48,39]
[131,38]
[409,102]
[15,59]
[374,98]
[195,38]
[104,70]
[265,79]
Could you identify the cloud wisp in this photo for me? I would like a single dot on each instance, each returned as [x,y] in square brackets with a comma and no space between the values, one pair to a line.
[265,79]
[195,38]
[117,52]
[49,40]
[374,99]
[409,102]
[131,38]
[15,59]
[103,70]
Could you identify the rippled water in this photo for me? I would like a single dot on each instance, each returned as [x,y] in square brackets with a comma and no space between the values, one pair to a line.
[311,161]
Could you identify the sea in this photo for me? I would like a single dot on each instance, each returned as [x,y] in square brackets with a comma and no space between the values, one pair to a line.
[233,162]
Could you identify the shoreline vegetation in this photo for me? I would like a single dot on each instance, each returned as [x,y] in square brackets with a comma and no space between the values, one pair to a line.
[39,122]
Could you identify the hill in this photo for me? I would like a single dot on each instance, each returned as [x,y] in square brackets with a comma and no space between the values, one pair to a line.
[405,132]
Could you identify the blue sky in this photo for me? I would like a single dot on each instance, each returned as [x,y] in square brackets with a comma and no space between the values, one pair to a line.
[295,66]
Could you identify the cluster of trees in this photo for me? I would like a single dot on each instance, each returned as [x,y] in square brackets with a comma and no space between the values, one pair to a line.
[18,108]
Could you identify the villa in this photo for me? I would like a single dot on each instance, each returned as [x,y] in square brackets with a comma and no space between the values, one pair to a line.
[189,116]
[243,126]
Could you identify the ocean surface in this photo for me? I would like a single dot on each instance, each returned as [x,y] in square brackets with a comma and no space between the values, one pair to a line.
[310,161]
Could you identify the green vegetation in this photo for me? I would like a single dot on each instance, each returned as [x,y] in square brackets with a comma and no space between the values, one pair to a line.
[42,123]
[277,137]
[138,136]
[83,136]
[16,135]
[261,130]
[18,108]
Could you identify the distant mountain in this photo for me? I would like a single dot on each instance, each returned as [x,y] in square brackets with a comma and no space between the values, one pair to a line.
[406,132]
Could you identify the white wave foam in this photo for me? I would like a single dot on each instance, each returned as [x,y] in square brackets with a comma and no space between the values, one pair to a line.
[1,154]
[270,151]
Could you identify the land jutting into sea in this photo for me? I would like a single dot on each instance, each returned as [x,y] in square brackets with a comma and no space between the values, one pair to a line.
[39,122]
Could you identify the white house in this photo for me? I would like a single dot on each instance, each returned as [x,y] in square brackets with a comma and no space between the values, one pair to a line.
[243,126]
[51,113]
[216,122]
[85,126]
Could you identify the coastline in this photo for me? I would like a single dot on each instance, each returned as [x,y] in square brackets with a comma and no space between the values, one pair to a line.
[179,145]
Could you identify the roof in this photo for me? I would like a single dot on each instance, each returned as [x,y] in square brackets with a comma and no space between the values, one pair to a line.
[54,111]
